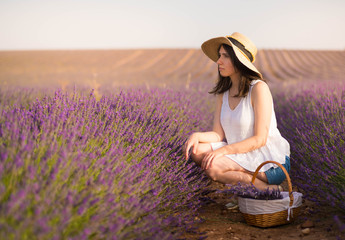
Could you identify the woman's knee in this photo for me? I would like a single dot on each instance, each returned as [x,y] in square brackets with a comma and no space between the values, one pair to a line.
[213,173]
[201,150]
[197,157]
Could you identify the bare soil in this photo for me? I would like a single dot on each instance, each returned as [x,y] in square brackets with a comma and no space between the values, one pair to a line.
[220,223]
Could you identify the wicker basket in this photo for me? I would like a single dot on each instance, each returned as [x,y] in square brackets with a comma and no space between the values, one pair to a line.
[276,218]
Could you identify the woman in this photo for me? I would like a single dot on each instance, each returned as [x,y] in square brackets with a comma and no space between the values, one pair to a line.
[245,130]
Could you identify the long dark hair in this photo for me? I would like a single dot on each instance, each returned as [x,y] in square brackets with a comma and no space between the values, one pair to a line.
[247,75]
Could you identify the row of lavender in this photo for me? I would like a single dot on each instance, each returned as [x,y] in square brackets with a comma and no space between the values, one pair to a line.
[75,167]
[312,119]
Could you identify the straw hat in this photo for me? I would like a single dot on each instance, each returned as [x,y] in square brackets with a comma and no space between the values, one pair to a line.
[244,49]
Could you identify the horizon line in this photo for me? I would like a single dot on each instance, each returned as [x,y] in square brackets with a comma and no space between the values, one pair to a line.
[154,48]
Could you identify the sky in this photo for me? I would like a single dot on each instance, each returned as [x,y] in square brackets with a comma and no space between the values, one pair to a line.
[129,24]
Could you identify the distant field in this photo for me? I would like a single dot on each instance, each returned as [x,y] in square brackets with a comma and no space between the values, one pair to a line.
[156,67]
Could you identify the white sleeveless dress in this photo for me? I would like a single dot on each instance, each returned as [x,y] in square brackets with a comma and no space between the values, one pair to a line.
[238,124]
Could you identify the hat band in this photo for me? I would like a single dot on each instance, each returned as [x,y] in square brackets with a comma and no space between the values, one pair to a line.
[242,48]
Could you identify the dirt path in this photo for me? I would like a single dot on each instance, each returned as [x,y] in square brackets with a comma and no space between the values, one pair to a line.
[220,223]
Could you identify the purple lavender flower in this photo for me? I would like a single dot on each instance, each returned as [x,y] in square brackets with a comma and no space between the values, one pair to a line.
[108,168]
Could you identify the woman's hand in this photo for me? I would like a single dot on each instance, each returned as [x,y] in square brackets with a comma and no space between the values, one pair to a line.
[192,142]
[210,157]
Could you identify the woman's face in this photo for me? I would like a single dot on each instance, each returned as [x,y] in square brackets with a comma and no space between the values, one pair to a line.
[225,66]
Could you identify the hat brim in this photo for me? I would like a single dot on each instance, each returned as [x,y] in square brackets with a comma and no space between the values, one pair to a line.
[211,47]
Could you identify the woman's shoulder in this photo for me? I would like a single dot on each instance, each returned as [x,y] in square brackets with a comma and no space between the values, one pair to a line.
[256,82]
[260,87]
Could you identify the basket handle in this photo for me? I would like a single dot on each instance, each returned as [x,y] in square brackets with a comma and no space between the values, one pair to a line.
[286,174]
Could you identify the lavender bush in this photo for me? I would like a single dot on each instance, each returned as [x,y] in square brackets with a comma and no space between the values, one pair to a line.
[250,191]
[72,167]
[312,121]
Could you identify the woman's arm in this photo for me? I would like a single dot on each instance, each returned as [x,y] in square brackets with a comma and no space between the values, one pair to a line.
[262,104]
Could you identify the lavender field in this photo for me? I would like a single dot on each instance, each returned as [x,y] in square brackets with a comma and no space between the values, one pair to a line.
[312,119]
[74,167]
[78,163]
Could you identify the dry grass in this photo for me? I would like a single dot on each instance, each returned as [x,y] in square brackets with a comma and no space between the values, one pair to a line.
[154,67]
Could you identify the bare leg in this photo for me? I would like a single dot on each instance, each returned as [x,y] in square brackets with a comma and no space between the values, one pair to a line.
[227,171]
[203,148]
[233,177]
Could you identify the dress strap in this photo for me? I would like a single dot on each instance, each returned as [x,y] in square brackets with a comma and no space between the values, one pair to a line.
[255,82]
